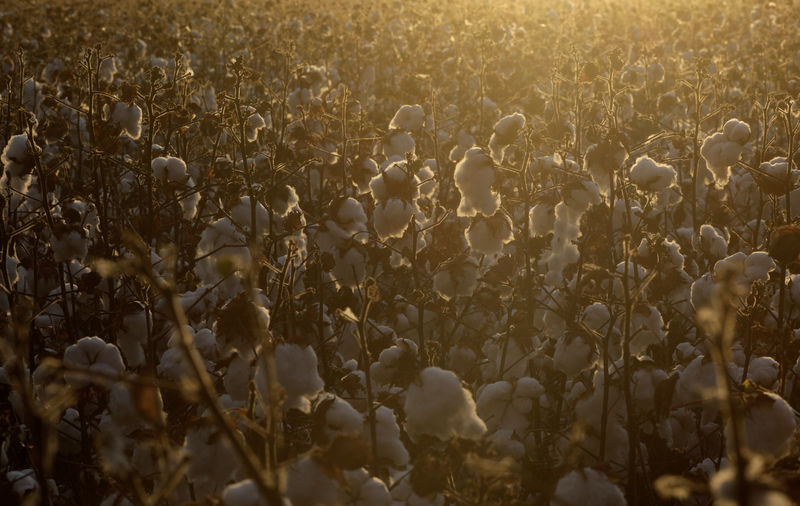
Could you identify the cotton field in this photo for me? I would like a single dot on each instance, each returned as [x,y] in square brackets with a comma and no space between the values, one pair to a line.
[400,253]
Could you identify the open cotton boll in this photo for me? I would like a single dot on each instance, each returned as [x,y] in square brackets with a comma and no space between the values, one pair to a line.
[647,328]
[503,405]
[437,405]
[222,250]
[541,219]
[92,355]
[387,432]
[566,229]
[487,236]
[586,486]
[17,158]
[309,484]
[458,277]
[340,418]
[764,371]
[362,171]
[769,426]
[723,149]
[129,117]
[711,242]
[391,360]
[506,130]
[649,175]
[574,354]
[392,217]
[283,199]
[464,141]
[296,369]
[213,462]
[132,335]
[408,117]
[474,177]
[69,242]
[596,317]
[169,169]
[253,124]
[778,180]
[601,160]
[397,143]
[427,177]
[242,216]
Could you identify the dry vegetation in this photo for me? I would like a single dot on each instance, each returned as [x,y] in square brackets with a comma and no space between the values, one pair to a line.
[399,253]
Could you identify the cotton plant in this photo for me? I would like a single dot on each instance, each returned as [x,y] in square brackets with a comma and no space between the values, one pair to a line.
[437,405]
[568,213]
[723,149]
[474,176]
[487,235]
[457,277]
[296,371]
[128,116]
[395,191]
[586,486]
[408,118]
[94,362]
[506,130]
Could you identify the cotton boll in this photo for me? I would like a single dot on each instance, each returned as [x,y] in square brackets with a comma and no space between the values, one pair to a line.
[647,328]
[427,177]
[711,242]
[541,219]
[241,214]
[213,463]
[586,486]
[391,218]
[769,426]
[503,405]
[132,335]
[597,318]
[169,169]
[778,181]
[365,490]
[283,200]
[390,446]
[253,124]
[437,405]
[69,242]
[222,249]
[129,117]
[574,354]
[350,267]
[362,171]
[397,143]
[487,236]
[458,277]
[464,142]
[296,370]
[505,132]
[92,355]
[648,175]
[408,117]
[309,485]
[392,360]
[17,158]
[340,418]
[764,371]
[723,149]
[474,177]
